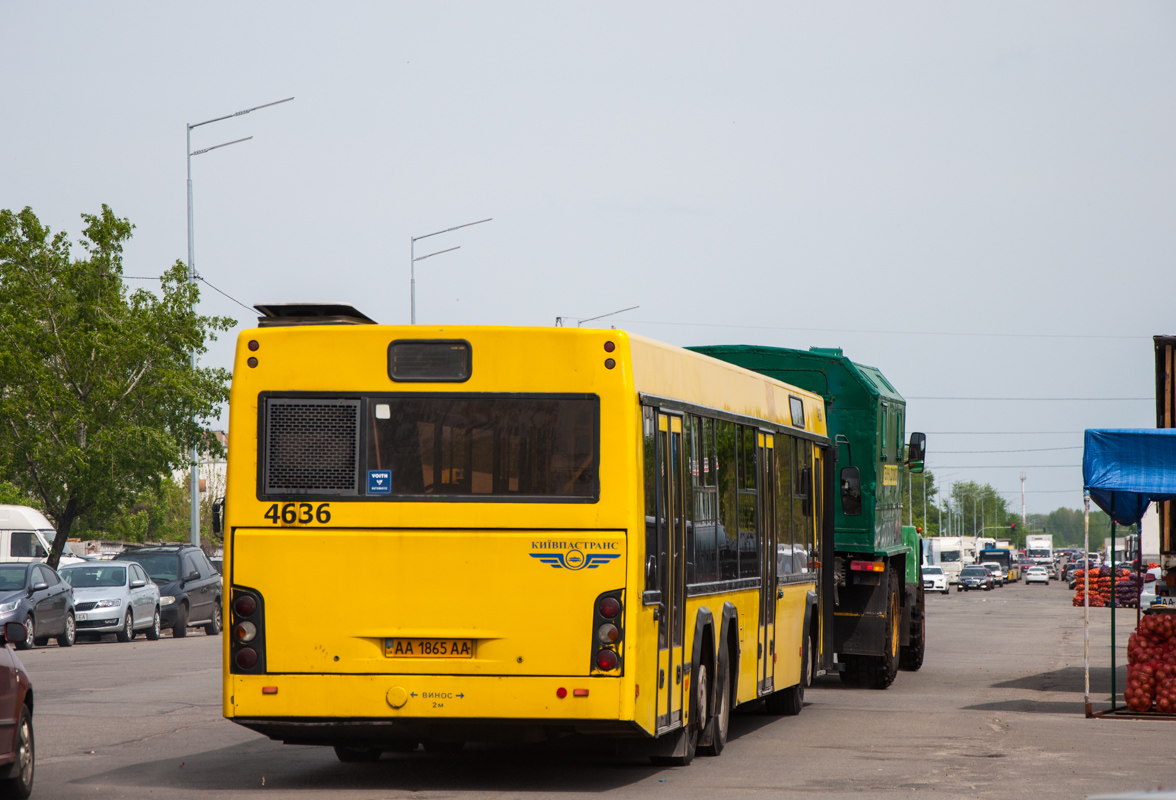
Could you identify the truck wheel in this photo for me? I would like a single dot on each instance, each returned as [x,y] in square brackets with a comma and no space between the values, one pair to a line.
[911,658]
[882,670]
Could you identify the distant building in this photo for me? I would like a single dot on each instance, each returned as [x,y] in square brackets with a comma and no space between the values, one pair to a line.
[212,471]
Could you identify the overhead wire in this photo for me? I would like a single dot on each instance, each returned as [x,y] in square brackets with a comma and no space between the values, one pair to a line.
[996,433]
[891,332]
[1011,466]
[229,296]
[1026,399]
[1031,450]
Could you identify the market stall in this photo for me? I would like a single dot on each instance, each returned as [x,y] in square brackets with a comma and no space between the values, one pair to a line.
[1124,471]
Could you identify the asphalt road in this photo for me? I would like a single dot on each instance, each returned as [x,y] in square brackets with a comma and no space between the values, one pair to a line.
[996,711]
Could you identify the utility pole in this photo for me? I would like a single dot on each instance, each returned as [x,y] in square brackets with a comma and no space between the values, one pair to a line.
[413,258]
[193,276]
[1023,522]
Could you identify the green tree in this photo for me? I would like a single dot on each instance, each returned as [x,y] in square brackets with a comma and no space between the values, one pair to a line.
[1067,526]
[159,513]
[97,398]
[12,495]
[983,511]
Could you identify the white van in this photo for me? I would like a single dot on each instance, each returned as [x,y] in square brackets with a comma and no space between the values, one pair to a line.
[25,535]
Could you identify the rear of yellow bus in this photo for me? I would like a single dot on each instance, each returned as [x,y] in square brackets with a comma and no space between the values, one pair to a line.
[426,534]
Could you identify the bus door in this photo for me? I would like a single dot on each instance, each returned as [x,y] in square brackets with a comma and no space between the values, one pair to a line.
[766,531]
[671,574]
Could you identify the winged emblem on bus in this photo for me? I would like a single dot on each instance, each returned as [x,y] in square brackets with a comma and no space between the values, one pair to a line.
[575,560]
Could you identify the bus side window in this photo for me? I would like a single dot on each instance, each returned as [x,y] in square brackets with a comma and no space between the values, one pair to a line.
[649,448]
[728,532]
[748,504]
[802,523]
[784,505]
[705,561]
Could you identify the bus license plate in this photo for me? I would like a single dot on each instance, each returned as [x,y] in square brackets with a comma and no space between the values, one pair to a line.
[429,648]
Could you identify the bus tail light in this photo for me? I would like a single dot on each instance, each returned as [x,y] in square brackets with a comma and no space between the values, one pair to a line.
[607,660]
[244,632]
[244,606]
[608,632]
[247,643]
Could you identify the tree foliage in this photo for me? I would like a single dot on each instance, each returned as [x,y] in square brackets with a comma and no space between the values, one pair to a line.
[98,401]
[157,514]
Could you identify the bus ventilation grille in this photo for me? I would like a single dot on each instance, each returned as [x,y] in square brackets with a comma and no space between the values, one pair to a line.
[312,447]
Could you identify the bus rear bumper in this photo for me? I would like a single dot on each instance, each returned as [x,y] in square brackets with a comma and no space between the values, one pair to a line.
[327,709]
[393,732]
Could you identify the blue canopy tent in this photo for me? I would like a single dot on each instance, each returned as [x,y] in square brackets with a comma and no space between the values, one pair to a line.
[1123,471]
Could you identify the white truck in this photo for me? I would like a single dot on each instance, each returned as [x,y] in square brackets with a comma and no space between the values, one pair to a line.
[1039,548]
[947,552]
[25,535]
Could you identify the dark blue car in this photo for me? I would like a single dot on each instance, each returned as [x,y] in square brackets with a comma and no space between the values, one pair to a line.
[36,596]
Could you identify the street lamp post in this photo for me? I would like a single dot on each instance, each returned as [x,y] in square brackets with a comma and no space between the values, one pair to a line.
[194,476]
[412,259]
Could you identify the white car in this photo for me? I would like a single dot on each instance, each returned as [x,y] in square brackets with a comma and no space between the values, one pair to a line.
[1148,597]
[934,580]
[1037,575]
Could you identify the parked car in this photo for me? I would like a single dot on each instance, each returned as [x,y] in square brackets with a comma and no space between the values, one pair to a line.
[975,577]
[189,588]
[17,752]
[115,598]
[996,570]
[1037,575]
[934,580]
[1147,597]
[36,596]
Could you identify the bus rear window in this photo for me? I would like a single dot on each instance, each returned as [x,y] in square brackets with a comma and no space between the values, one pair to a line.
[485,447]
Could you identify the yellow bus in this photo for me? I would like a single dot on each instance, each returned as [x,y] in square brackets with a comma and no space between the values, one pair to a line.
[436,535]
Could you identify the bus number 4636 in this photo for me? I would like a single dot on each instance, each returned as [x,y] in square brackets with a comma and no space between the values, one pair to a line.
[304,513]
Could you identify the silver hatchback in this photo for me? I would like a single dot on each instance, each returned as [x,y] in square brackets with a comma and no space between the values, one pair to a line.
[114,597]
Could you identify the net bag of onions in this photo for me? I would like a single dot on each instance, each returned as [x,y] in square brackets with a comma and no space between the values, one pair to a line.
[1141,686]
[1151,665]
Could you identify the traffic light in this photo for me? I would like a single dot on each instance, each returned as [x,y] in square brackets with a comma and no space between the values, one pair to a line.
[1014,527]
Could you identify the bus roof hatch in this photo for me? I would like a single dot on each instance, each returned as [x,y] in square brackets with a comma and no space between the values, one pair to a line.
[280,314]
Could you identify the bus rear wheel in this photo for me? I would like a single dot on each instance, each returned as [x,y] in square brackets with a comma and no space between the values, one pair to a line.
[789,702]
[357,755]
[714,738]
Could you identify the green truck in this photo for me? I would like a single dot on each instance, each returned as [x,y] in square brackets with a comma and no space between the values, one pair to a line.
[872,600]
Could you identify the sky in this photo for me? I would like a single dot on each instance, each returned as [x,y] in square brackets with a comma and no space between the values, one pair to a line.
[977,198]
